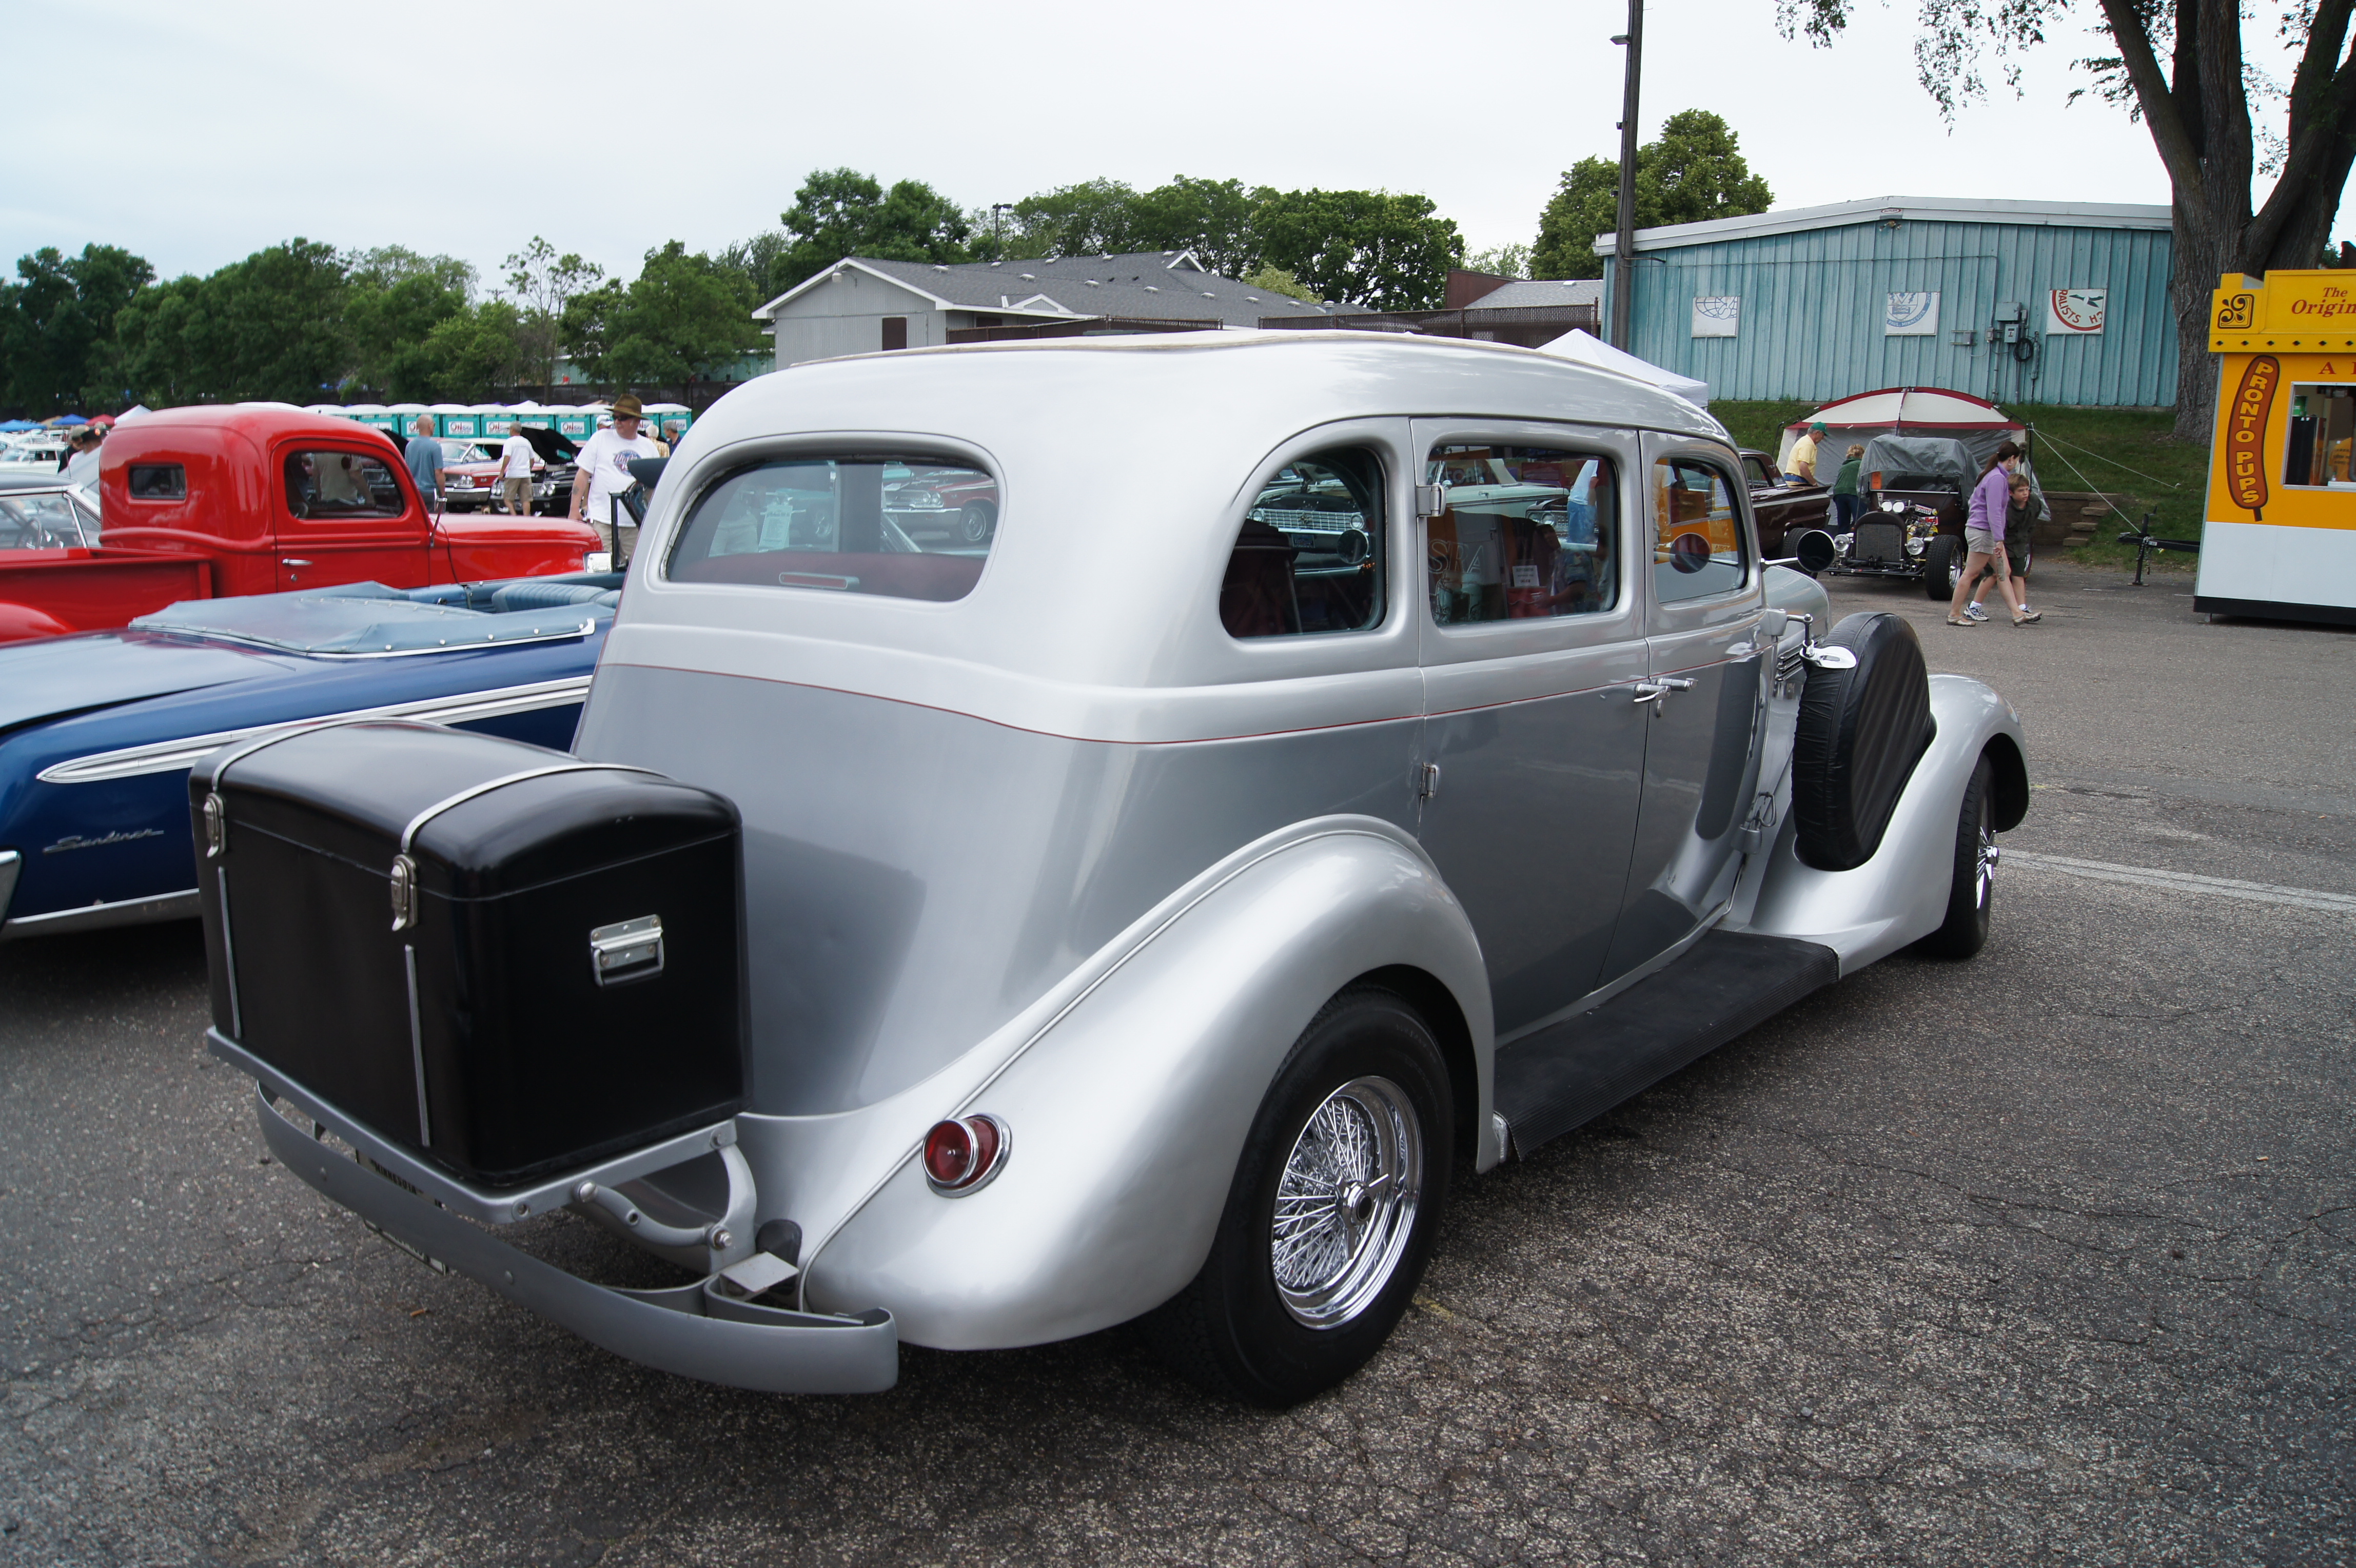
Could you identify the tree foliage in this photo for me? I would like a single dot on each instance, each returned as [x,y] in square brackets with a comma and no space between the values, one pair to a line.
[542,282]
[58,350]
[1211,218]
[270,327]
[1695,171]
[2179,66]
[683,317]
[1366,247]
[841,212]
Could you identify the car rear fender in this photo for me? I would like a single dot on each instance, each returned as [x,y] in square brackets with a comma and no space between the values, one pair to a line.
[1900,895]
[1126,1112]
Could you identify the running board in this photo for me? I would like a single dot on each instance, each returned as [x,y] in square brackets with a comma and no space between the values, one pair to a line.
[1569,1074]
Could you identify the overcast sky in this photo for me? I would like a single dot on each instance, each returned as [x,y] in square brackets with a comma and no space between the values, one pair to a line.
[195,134]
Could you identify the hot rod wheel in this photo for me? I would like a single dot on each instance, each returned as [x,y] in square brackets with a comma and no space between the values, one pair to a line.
[1971,896]
[1331,1214]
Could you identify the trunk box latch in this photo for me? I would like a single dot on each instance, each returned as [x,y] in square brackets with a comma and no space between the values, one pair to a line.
[626,950]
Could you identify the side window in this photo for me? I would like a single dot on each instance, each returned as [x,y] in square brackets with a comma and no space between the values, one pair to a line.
[1309,558]
[1755,472]
[1697,531]
[158,482]
[1525,533]
[327,486]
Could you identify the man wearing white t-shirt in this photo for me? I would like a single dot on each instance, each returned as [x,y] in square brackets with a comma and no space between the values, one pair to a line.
[605,473]
[515,471]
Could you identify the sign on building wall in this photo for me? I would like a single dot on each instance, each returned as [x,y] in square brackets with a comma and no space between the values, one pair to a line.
[2075,312]
[1716,314]
[1912,316]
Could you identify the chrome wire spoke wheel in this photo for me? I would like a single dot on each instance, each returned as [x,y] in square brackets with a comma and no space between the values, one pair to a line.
[1345,1204]
[1988,857]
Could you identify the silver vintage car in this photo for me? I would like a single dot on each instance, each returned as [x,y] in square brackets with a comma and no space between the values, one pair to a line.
[1349,762]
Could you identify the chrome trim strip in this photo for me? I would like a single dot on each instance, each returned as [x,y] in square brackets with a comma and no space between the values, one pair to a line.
[228,951]
[11,863]
[563,635]
[169,756]
[180,906]
[409,833]
[416,1050]
[476,1203]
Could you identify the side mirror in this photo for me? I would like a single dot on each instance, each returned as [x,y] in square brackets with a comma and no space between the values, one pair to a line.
[1814,551]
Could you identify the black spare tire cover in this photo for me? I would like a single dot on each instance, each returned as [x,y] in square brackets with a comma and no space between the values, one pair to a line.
[1861,733]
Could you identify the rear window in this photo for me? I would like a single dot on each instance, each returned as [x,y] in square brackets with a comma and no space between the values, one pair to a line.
[158,482]
[909,528]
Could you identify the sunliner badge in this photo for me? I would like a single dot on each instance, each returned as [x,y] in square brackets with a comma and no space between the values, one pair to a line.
[76,841]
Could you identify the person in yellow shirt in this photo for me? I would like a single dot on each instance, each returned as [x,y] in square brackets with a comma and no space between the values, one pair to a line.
[1803,454]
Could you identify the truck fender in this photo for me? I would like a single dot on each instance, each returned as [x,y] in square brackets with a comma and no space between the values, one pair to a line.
[20,621]
[1127,1116]
[1900,894]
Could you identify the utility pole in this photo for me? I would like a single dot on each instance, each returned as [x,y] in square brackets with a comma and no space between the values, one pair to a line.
[997,211]
[1624,254]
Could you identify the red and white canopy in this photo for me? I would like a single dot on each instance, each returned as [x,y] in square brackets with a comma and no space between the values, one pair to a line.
[1906,410]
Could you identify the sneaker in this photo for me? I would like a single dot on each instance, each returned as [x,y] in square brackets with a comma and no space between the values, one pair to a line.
[2027,616]
[1975,612]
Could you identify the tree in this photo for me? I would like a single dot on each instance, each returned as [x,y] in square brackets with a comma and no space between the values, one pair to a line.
[1089,218]
[389,264]
[57,347]
[1211,218]
[392,325]
[543,283]
[2181,69]
[1276,280]
[1366,247]
[1501,261]
[587,325]
[683,317]
[466,355]
[1695,171]
[841,212]
[272,326]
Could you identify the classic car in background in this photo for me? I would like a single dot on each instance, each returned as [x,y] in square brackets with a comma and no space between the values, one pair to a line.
[1782,504]
[41,511]
[473,466]
[245,498]
[97,730]
[934,503]
[1915,492]
[1274,881]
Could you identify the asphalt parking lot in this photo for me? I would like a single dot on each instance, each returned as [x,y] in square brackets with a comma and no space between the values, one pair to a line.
[2047,1257]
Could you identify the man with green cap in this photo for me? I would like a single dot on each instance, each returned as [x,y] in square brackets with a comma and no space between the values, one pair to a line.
[1803,454]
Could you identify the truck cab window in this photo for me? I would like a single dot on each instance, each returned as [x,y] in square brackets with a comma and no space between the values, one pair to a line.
[157,482]
[2322,433]
[1525,533]
[1697,548]
[1309,557]
[333,485]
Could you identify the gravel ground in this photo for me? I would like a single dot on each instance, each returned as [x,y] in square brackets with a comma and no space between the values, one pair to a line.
[2045,1257]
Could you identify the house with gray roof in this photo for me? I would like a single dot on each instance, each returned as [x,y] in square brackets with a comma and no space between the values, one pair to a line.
[863,304]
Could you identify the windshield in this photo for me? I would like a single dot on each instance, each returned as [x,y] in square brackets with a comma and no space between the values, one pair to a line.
[900,529]
[46,519]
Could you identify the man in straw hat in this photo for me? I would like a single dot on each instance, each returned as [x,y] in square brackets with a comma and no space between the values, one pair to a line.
[605,473]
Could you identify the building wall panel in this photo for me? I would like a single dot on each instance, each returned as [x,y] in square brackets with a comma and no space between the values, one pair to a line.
[1812,304]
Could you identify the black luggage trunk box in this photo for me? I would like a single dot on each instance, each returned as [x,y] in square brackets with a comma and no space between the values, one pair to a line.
[508,960]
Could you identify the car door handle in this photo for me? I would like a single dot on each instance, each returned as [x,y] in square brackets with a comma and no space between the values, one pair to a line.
[1654,690]
[290,560]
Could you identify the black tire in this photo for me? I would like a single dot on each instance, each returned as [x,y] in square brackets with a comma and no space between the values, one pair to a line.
[977,522]
[1942,566]
[1235,1330]
[1971,892]
[1862,731]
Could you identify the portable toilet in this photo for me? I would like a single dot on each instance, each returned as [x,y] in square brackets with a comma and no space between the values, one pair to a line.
[579,423]
[457,420]
[663,415]
[404,416]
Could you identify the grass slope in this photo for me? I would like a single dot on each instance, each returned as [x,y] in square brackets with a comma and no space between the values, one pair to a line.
[2118,450]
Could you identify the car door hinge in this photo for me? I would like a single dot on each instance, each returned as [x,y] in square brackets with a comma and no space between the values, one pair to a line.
[1427,781]
[1430,500]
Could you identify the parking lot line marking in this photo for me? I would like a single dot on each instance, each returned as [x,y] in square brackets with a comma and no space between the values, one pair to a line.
[2185,882]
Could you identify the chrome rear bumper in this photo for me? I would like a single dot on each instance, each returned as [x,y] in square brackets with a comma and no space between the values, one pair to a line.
[694,1330]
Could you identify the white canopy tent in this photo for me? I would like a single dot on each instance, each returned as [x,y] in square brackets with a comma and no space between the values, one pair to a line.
[1589,350]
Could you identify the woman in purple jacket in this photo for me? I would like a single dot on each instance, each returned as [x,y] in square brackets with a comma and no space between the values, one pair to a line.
[1983,539]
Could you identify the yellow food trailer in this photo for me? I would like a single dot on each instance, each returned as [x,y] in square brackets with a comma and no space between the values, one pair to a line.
[2280,534]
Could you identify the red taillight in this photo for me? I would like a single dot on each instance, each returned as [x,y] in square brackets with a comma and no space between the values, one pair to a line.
[961,1156]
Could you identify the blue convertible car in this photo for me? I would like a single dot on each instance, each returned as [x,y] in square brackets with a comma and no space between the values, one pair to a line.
[97,730]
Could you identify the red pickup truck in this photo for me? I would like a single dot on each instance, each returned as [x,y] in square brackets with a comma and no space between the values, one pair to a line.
[252,498]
